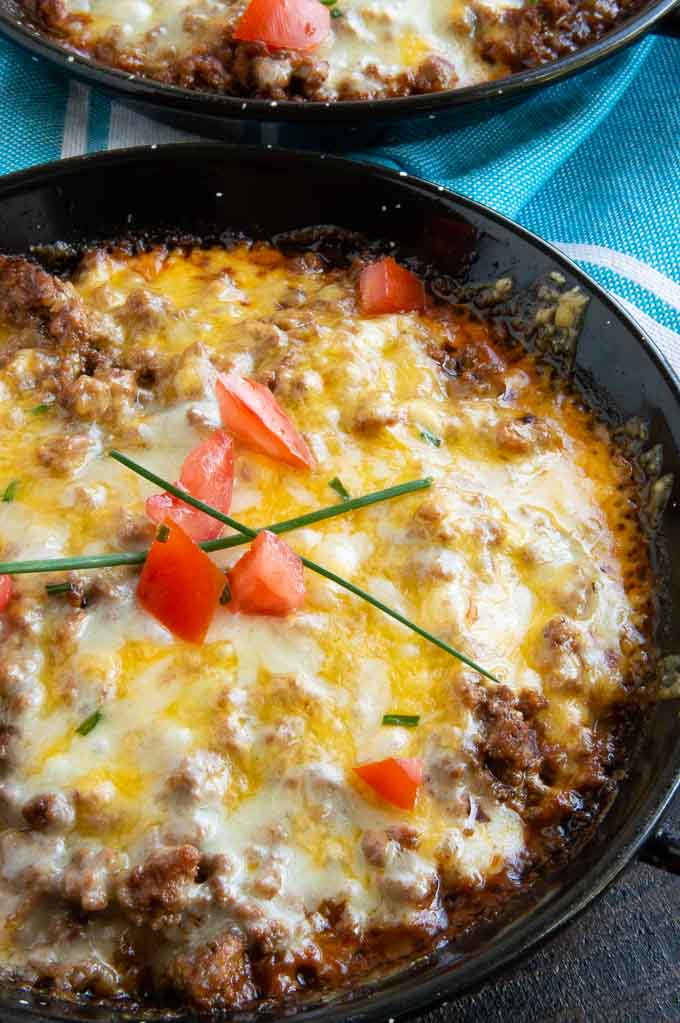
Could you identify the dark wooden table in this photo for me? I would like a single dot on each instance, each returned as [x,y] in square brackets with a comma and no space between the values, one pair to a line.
[618,963]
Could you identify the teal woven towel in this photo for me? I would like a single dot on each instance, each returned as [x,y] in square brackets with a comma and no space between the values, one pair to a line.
[592,163]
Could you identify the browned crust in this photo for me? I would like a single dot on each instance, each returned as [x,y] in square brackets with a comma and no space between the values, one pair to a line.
[546,30]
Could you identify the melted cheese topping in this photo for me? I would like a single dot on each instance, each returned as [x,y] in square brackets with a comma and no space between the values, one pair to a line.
[372,42]
[245,746]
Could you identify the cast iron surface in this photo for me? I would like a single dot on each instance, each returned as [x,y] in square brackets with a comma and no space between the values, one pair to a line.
[662,849]
[321,125]
[204,189]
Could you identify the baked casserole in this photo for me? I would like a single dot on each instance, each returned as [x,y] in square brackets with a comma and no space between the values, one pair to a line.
[326,50]
[227,779]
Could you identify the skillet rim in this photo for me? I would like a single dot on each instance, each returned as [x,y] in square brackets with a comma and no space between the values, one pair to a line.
[406,993]
[173,99]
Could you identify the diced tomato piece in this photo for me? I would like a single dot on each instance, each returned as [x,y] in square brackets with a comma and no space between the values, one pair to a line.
[386,287]
[252,414]
[395,779]
[284,24]
[268,580]
[208,474]
[180,585]
[5,591]
[164,506]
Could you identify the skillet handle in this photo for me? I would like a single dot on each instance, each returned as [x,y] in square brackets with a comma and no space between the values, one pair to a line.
[670,24]
[662,850]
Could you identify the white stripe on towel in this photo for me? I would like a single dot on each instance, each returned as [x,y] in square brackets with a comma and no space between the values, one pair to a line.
[667,340]
[74,142]
[628,266]
[128,128]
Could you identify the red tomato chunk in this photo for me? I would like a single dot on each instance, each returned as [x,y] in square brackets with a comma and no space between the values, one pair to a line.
[284,24]
[5,591]
[386,287]
[207,474]
[268,580]
[395,779]
[180,585]
[252,414]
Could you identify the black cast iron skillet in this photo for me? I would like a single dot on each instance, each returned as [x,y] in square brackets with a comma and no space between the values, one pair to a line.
[334,126]
[207,189]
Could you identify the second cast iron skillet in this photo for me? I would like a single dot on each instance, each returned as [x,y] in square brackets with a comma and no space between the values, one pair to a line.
[329,126]
[207,189]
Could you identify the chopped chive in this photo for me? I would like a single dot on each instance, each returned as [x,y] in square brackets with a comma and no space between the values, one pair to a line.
[431,438]
[44,406]
[329,3]
[54,588]
[89,723]
[405,720]
[163,534]
[251,534]
[225,596]
[11,491]
[111,560]
[335,13]
[339,487]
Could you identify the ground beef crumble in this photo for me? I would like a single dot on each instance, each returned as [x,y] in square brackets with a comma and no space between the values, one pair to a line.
[217,975]
[157,892]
